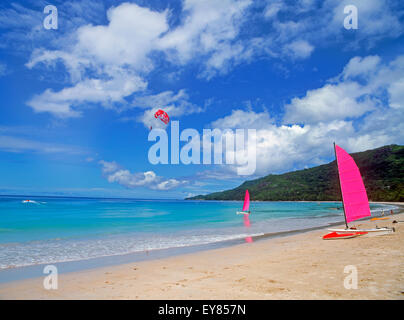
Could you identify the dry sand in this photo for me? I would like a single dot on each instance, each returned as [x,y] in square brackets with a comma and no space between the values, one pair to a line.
[301,266]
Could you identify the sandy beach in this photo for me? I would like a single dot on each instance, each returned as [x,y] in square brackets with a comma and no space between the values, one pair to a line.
[300,266]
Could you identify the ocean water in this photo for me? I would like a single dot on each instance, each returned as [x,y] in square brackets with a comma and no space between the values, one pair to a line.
[52,230]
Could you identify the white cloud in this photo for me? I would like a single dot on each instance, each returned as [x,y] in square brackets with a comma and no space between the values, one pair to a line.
[243,119]
[149,179]
[190,194]
[281,147]
[299,49]
[23,26]
[359,66]
[19,144]
[118,57]
[333,101]
[175,104]
[75,65]
[396,94]
[272,9]
[225,56]
[131,34]
[207,25]
[161,99]
[329,114]
[109,167]
[114,55]
[376,19]
[361,87]
[208,35]
[297,28]
[62,103]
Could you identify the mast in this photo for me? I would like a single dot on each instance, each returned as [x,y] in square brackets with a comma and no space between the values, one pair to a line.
[339,182]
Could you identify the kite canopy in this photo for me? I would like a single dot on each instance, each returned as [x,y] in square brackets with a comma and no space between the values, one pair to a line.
[162,115]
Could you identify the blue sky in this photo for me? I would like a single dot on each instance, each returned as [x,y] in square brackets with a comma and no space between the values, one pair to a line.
[77,101]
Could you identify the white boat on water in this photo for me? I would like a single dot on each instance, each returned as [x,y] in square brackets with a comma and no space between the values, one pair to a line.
[29,201]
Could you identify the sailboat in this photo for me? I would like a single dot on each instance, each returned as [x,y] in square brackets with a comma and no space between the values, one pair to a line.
[246,205]
[355,201]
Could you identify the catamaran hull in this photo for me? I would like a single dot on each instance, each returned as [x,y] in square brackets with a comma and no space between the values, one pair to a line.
[336,236]
[370,232]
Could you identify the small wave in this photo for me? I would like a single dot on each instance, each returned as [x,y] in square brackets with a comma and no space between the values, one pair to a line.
[21,255]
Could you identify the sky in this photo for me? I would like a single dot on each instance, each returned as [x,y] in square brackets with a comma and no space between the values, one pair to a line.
[78,100]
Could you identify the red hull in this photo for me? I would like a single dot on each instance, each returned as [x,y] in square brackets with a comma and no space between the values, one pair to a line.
[335,235]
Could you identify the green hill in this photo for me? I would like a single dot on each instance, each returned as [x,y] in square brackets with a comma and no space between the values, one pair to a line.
[382,170]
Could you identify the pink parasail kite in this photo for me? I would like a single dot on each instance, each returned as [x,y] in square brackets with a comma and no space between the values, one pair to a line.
[162,115]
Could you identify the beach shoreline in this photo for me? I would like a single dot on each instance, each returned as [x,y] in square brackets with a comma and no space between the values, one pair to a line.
[22,272]
[299,266]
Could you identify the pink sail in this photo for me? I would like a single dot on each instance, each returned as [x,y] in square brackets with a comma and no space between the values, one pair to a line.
[246,205]
[354,196]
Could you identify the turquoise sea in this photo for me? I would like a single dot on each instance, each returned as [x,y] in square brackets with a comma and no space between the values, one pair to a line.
[57,229]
